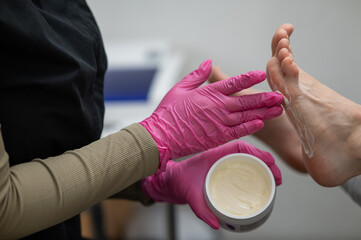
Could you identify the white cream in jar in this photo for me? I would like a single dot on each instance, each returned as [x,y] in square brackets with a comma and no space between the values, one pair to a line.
[239,188]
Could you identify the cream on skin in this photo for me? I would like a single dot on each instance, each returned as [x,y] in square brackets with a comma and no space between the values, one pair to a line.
[240,188]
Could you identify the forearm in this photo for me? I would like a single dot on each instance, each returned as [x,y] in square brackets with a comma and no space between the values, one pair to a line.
[41,193]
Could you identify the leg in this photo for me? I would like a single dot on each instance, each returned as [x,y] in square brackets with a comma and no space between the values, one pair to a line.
[328,125]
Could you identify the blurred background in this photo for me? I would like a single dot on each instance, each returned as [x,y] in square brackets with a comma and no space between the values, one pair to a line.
[236,35]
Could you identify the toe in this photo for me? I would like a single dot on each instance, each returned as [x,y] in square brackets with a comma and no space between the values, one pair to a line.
[280,34]
[289,67]
[275,75]
[283,43]
[283,53]
[284,31]
[288,27]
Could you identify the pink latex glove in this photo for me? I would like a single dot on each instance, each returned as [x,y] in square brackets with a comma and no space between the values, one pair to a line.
[183,182]
[191,119]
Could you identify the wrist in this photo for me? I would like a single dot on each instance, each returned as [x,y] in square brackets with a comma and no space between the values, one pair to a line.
[164,153]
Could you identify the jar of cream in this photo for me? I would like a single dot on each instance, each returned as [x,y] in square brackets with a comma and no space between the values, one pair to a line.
[240,190]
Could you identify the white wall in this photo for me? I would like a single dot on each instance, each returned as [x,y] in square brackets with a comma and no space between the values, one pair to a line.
[236,35]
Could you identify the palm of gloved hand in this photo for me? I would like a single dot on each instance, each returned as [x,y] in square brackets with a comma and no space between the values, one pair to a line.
[191,119]
[184,182]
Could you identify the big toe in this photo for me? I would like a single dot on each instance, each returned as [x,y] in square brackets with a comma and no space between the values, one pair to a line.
[275,75]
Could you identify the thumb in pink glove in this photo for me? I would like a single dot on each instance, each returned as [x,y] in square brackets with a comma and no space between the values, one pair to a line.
[183,182]
[191,119]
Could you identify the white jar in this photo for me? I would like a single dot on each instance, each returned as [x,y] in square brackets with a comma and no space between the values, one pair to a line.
[240,190]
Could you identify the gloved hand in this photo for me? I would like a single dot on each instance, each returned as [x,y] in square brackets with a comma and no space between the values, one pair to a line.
[183,182]
[191,119]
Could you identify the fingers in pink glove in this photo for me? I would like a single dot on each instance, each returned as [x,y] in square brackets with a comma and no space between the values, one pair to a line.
[266,157]
[276,173]
[202,211]
[197,77]
[191,119]
[261,113]
[240,82]
[253,101]
[246,128]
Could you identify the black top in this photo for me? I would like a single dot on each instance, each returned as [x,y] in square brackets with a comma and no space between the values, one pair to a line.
[51,84]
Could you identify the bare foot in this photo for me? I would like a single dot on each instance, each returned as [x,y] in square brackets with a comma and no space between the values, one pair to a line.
[328,125]
[278,133]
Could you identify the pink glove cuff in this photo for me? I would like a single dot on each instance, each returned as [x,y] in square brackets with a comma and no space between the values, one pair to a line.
[164,154]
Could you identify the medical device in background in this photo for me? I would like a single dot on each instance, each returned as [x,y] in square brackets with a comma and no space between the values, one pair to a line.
[139,75]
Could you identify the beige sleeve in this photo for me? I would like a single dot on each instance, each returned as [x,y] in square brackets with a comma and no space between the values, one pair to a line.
[44,192]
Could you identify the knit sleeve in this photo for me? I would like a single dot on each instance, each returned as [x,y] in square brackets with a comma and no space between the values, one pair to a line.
[44,192]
